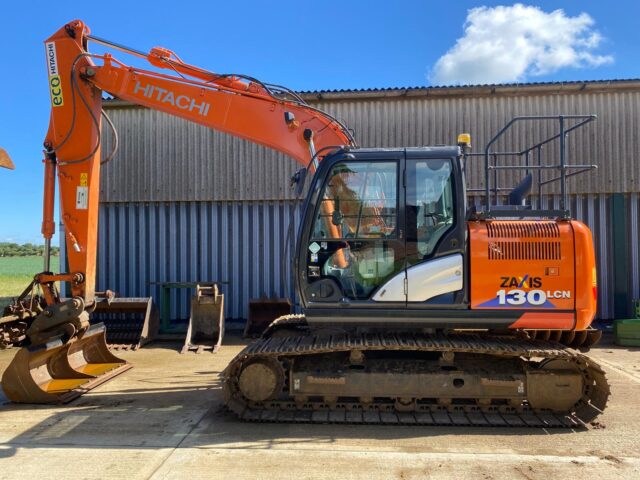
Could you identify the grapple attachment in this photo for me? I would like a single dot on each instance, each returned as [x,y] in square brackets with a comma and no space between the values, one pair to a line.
[262,312]
[59,371]
[206,322]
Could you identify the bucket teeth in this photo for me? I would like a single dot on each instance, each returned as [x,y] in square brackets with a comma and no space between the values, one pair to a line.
[58,372]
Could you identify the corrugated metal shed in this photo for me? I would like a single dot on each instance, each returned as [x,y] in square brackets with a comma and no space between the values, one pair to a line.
[164,158]
[242,243]
[183,203]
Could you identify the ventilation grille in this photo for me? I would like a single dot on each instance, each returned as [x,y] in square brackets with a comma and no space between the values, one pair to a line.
[523,230]
[524,250]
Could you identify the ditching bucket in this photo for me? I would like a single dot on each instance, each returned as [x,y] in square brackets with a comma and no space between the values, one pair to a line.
[59,372]
[130,322]
[206,322]
[262,312]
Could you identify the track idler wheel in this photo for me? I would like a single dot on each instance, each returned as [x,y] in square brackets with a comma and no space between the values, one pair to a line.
[261,380]
[557,385]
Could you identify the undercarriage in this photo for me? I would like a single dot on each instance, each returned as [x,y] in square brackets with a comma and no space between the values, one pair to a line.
[295,374]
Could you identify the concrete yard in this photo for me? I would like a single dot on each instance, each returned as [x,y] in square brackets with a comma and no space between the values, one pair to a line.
[164,420]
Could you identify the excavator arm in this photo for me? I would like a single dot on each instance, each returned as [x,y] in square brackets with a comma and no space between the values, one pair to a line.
[66,355]
[270,116]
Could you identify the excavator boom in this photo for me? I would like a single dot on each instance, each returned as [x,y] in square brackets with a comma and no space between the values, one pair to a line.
[65,355]
[273,117]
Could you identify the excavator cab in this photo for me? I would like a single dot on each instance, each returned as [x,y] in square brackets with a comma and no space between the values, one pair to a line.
[376,222]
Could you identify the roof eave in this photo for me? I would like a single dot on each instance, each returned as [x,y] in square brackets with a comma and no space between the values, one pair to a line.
[591,86]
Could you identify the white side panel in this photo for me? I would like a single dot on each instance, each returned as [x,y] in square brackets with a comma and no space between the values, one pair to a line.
[393,290]
[430,279]
[425,280]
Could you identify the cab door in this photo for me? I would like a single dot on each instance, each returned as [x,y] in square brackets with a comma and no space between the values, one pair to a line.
[356,243]
[435,232]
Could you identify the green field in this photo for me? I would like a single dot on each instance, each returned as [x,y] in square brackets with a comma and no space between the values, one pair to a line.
[17,272]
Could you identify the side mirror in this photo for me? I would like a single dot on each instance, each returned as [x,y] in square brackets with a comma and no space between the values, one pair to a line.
[298,181]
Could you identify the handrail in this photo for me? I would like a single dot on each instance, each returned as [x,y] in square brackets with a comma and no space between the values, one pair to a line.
[491,188]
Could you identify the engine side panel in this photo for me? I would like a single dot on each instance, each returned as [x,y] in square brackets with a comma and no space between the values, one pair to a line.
[530,265]
[586,279]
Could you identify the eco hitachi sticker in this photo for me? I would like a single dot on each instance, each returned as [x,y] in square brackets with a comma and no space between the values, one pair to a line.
[314,247]
[55,84]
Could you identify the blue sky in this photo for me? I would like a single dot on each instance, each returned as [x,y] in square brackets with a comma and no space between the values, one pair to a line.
[307,46]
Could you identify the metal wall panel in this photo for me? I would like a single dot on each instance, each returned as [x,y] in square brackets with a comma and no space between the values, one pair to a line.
[163,158]
[610,142]
[633,221]
[241,243]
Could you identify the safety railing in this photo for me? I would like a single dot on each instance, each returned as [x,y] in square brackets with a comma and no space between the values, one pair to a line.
[531,161]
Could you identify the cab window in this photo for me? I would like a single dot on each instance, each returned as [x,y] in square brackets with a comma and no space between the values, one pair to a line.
[360,200]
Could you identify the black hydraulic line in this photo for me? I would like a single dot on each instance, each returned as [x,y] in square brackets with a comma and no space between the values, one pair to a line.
[74,87]
[116,140]
[269,88]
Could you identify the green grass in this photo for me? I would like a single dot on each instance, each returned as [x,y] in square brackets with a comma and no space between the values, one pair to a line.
[17,272]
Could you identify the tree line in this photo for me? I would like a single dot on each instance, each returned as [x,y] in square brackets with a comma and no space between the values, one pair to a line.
[27,249]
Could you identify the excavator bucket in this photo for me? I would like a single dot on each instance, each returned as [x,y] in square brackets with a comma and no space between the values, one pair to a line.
[206,322]
[5,160]
[58,372]
[130,322]
[262,312]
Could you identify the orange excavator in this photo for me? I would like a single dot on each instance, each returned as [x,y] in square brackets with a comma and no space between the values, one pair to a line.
[416,308]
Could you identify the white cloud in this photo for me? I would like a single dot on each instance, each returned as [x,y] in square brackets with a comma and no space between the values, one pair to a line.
[507,44]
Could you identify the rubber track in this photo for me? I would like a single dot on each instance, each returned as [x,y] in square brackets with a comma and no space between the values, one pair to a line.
[593,402]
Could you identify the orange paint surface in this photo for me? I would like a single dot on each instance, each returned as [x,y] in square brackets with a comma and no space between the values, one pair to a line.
[540,266]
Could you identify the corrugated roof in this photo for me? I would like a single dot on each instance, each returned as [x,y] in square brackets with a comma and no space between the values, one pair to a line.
[464,90]
[205,165]
[477,85]
[479,89]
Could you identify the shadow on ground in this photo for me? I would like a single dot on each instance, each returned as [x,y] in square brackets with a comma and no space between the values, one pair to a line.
[178,406]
